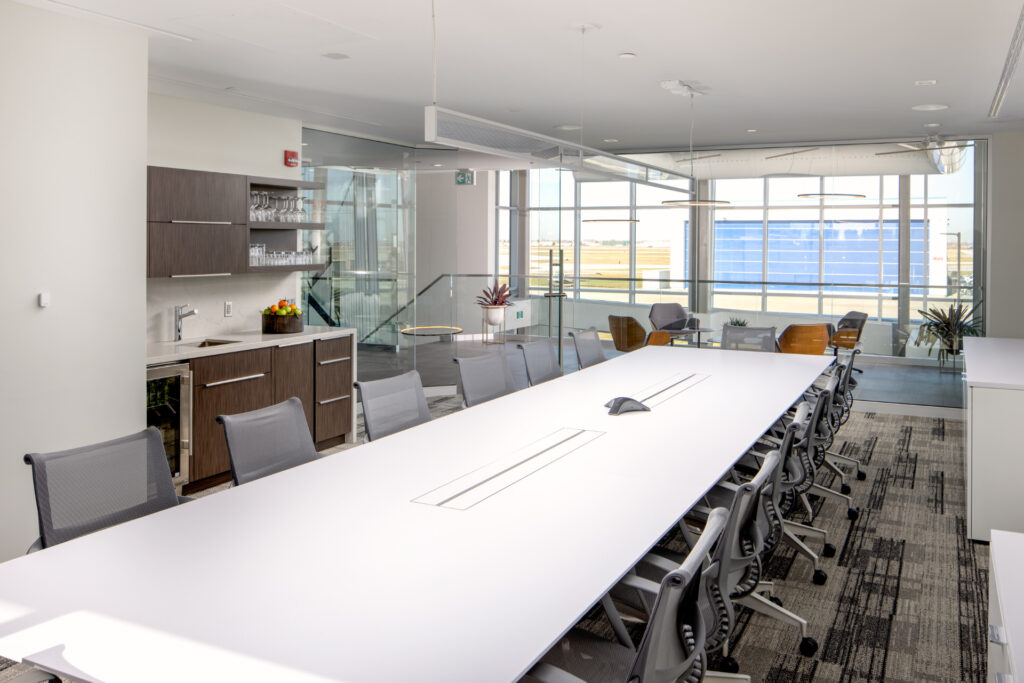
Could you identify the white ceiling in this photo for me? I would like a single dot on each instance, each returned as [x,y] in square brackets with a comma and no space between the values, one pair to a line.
[795,70]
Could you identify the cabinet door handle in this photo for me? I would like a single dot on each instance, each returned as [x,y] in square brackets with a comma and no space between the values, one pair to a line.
[297,343]
[204,275]
[332,400]
[335,360]
[236,379]
[203,222]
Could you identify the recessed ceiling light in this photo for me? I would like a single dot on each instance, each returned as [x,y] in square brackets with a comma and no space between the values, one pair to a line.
[627,55]
[751,130]
[932,125]
[438,165]
[334,55]
[930,107]
[611,139]
[568,126]
[929,82]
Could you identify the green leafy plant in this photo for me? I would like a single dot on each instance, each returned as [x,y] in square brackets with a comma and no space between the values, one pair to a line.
[948,327]
[737,322]
[495,296]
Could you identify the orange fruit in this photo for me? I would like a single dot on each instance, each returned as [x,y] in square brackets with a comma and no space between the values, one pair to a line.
[273,309]
[292,306]
[282,303]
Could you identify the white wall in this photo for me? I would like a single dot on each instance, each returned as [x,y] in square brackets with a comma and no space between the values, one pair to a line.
[205,137]
[73,192]
[454,225]
[1005,290]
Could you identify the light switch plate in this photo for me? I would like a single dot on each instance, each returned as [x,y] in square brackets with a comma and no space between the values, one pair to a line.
[228,309]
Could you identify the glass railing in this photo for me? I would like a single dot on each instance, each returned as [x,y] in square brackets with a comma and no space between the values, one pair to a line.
[541,303]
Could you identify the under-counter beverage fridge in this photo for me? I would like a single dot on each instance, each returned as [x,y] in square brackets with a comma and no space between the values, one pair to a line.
[169,409]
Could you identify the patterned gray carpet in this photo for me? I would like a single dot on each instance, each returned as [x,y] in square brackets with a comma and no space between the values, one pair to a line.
[906,596]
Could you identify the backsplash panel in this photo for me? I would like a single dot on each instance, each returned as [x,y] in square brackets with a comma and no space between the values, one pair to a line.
[249,294]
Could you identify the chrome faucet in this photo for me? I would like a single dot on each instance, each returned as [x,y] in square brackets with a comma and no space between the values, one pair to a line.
[180,313]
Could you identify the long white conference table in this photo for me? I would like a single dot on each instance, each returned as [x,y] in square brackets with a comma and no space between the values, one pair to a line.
[459,550]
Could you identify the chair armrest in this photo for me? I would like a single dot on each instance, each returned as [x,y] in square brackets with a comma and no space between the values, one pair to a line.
[36,546]
[548,673]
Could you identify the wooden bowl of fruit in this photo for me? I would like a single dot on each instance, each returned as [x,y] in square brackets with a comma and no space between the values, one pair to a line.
[282,318]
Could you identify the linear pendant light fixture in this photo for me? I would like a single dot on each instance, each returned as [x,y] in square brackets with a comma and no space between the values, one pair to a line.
[693,200]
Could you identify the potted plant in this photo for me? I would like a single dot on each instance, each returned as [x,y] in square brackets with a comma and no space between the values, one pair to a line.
[948,328]
[737,322]
[494,301]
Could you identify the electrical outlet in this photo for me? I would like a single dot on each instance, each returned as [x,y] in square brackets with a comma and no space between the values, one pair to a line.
[227,309]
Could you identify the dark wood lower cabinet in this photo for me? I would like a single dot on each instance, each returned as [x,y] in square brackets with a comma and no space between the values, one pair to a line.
[225,384]
[334,391]
[318,372]
[293,376]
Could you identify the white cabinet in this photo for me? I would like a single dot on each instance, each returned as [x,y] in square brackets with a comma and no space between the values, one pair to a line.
[994,456]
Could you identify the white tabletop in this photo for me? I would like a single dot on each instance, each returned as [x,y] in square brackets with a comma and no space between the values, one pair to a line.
[994,362]
[1006,557]
[333,571]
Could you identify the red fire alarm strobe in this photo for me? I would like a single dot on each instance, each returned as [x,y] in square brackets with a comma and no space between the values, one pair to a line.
[291,158]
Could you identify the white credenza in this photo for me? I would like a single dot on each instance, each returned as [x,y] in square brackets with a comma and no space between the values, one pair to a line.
[994,456]
[1006,608]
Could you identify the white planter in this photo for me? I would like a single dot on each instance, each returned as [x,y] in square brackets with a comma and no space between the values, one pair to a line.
[495,315]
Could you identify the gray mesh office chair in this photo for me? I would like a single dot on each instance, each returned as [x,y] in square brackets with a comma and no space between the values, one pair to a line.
[485,377]
[742,338]
[268,440]
[392,404]
[86,489]
[588,347]
[673,645]
[541,361]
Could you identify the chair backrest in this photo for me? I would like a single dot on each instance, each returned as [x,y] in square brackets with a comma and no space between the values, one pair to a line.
[795,473]
[484,377]
[392,404]
[627,333]
[665,314]
[808,339]
[736,555]
[673,643]
[268,440]
[854,320]
[541,361]
[588,347]
[743,338]
[86,489]
[517,367]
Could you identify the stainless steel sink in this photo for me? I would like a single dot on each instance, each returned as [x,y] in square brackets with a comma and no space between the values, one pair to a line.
[210,342]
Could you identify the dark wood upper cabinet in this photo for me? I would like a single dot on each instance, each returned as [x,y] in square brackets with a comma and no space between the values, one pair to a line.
[179,195]
[293,375]
[196,249]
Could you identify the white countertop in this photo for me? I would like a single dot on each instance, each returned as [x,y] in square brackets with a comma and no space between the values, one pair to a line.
[994,362]
[169,351]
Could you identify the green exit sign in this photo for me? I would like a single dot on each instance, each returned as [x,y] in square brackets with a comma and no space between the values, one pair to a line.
[465,178]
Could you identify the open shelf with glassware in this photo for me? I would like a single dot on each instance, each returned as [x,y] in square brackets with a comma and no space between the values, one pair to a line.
[283,216]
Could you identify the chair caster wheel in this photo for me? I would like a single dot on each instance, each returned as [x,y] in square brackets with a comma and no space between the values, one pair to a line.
[862,475]
[730,666]
[852,514]
[775,599]
[820,577]
[845,489]
[808,646]
[828,550]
